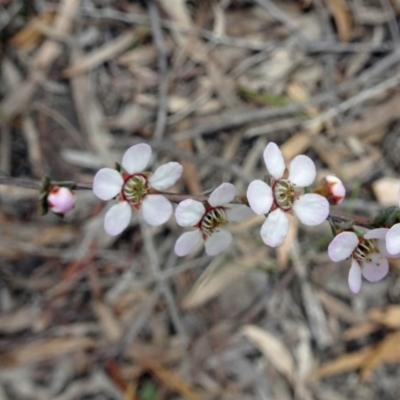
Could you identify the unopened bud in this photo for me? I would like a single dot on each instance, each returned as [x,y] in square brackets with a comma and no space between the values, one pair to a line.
[332,189]
[61,200]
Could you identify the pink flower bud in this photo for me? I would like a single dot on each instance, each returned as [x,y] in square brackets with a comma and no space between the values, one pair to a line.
[335,188]
[61,200]
[332,188]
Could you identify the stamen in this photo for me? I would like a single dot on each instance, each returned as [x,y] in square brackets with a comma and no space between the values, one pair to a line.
[364,250]
[284,194]
[135,188]
[212,219]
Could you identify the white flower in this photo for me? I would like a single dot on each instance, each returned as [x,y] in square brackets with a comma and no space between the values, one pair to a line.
[282,195]
[136,189]
[61,200]
[393,237]
[207,219]
[368,255]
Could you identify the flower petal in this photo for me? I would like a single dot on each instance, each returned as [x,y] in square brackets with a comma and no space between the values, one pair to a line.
[335,188]
[157,209]
[342,246]
[238,212]
[136,158]
[61,200]
[355,276]
[259,196]
[311,209]
[166,175]
[189,212]
[393,240]
[376,269]
[223,194]
[187,242]
[274,160]
[117,218]
[107,183]
[275,229]
[379,233]
[302,171]
[218,242]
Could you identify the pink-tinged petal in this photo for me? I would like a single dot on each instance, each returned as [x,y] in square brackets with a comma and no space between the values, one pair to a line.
[189,212]
[223,194]
[61,200]
[238,213]
[275,229]
[107,183]
[376,268]
[393,240]
[274,160]
[136,158]
[336,189]
[259,196]
[156,209]
[117,218]
[302,171]
[166,175]
[355,277]
[311,209]
[218,242]
[187,242]
[379,233]
[342,246]
[382,249]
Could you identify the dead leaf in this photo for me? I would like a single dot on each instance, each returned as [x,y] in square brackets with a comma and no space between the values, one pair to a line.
[338,308]
[283,251]
[102,54]
[16,321]
[108,321]
[386,191]
[171,380]
[46,350]
[272,348]
[389,316]
[361,330]
[29,36]
[301,141]
[220,275]
[341,14]
[351,170]
[389,345]
[388,350]
[346,363]
[297,144]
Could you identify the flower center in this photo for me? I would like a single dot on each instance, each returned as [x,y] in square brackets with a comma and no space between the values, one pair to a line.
[213,218]
[365,249]
[135,188]
[284,194]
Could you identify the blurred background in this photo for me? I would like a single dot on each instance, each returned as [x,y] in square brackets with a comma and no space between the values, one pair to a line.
[207,83]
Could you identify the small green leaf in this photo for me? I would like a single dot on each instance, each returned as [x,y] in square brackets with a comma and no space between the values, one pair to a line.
[387,217]
[148,391]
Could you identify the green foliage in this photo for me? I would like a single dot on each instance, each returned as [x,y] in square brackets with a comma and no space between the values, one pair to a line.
[263,98]
[148,391]
[388,217]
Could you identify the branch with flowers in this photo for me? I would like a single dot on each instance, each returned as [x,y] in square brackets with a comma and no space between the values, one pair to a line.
[287,190]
